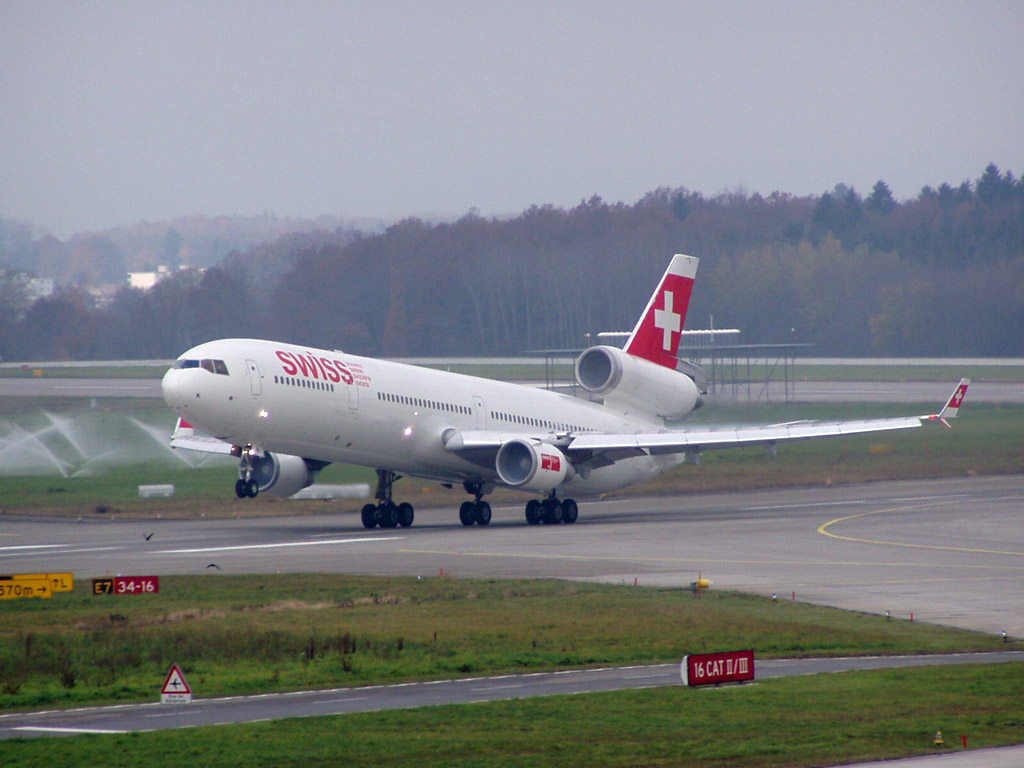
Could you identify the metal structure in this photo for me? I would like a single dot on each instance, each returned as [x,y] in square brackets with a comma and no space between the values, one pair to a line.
[732,368]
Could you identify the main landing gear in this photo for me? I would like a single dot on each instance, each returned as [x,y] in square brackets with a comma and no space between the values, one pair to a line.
[478,511]
[551,511]
[385,512]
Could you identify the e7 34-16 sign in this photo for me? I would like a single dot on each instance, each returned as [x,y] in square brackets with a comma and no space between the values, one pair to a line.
[126,585]
[715,668]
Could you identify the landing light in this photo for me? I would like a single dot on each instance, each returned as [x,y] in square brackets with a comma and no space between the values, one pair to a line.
[263,413]
[407,431]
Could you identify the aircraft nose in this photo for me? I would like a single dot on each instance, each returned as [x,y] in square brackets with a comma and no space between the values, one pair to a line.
[170,387]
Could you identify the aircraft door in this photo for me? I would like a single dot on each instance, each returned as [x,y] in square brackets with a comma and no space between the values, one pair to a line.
[255,381]
[481,414]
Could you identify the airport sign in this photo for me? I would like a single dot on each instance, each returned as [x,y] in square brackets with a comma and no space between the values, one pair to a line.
[717,668]
[176,689]
[20,585]
[126,585]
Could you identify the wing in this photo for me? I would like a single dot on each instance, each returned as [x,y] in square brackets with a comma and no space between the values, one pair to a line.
[184,436]
[693,441]
[598,449]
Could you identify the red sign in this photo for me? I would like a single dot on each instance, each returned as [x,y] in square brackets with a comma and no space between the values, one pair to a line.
[176,689]
[136,585]
[715,668]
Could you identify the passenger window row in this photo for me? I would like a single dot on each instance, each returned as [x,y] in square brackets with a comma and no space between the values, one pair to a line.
[529,421]
[418,402]
[295,381]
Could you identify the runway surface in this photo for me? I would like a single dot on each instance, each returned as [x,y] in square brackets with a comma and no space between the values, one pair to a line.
[125,718]
[948,551]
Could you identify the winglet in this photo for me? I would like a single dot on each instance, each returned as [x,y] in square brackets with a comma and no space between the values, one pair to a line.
[952,405]
[658,332]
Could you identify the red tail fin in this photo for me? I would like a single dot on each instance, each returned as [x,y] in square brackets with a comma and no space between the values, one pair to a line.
[657,333]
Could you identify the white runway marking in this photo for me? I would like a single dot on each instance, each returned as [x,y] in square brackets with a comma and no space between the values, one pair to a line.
[44,729]
[242,547]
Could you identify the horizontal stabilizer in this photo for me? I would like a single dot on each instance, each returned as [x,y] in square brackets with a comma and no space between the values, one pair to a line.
[184,436]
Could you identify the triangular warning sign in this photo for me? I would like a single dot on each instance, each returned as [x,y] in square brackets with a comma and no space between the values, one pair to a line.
[176,688]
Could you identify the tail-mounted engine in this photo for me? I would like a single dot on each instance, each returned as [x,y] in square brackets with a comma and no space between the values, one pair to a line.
[622,378]
[281,474]
[532,466]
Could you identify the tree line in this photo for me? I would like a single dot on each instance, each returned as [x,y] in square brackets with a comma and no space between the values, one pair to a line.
[940,274]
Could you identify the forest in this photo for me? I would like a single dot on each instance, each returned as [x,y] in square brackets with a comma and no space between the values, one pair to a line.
[850,274]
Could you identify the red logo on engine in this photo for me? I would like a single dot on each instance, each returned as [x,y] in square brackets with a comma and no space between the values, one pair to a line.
[552,463]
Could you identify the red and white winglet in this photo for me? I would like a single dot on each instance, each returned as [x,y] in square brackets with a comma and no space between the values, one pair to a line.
[952,405]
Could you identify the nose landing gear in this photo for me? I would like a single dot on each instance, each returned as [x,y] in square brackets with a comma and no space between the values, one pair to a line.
[246,487]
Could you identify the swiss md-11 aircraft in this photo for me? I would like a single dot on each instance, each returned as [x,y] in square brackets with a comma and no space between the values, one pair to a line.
[287,411]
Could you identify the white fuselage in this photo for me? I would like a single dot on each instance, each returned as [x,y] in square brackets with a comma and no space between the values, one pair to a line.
[334,407]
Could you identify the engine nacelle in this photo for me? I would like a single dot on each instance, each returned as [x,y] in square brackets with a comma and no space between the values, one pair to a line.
[532,466]
[626,379]
[281,474]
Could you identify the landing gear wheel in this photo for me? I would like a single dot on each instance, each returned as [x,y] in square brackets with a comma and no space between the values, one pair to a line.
[387,515]
[466,513]
[240,490]
[533,512]
[482,513]
[569,512]
[551,511]
[370,516]
[251,488]
[405,514]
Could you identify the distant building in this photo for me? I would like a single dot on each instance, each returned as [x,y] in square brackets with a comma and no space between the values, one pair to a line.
[146,280]
[38,288]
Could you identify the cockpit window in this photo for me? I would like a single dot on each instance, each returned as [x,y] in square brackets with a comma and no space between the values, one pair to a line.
[213,366]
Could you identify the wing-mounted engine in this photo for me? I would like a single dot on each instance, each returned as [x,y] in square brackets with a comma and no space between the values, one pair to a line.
[624,379]
[532,466]
[280,474]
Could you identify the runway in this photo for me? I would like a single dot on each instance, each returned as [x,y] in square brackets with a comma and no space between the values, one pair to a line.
[127,718]
[947,551]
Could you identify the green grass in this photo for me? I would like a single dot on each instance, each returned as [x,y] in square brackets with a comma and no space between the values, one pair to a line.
[257,634]
[950,373]
[802,721]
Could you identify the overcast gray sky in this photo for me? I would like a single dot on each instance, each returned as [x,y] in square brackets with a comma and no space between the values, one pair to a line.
[113,112]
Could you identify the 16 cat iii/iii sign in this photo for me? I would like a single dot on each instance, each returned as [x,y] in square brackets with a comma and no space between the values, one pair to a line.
[716,668]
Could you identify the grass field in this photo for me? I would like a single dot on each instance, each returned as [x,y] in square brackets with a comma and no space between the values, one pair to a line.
[257,634]
[795,722]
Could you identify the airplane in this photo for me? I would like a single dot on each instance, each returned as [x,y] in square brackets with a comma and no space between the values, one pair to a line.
[287,411]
